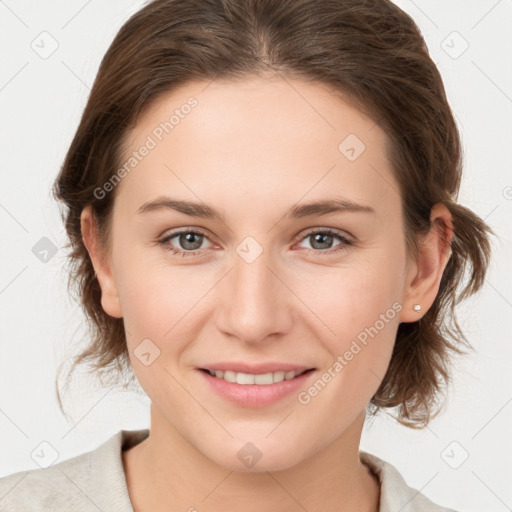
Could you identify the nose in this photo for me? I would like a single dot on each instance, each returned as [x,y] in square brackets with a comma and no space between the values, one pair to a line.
[254,303]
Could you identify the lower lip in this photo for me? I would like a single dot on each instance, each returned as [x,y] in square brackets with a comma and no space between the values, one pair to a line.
[255,395]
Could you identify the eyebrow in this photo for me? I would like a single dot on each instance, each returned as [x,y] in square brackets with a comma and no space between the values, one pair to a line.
[202,210]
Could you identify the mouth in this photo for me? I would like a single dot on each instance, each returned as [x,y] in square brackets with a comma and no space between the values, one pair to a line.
[258,385]
[262,379]
[250,385]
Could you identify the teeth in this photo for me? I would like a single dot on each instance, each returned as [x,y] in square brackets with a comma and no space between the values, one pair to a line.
[249,378]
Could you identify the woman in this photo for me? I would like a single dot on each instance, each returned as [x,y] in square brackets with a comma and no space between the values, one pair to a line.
[261,205]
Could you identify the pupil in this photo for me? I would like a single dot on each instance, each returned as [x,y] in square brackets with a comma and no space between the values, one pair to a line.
[319,236]
[188,238]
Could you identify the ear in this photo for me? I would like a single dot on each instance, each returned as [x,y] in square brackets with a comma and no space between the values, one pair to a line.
[424,275]
[101,263]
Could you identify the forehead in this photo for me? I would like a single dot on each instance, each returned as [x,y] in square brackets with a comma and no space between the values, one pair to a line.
[256,143]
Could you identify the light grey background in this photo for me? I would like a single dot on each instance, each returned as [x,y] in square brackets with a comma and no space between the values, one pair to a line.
[42,97]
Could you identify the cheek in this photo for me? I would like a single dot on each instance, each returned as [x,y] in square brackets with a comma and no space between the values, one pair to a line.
[362,312]
[348,298]
[156,297]
[158,311]
[359,308]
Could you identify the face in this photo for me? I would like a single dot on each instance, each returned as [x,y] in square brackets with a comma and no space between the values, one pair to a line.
[251,279]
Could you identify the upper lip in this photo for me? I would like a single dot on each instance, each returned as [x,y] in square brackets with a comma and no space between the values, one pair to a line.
[256,369]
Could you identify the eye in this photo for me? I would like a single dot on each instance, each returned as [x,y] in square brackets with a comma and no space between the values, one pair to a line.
[190,240]
[322,239]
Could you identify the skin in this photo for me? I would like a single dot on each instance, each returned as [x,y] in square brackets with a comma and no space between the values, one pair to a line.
[251,149]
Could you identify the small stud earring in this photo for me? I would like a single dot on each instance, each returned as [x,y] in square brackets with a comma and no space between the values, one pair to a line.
[417,307]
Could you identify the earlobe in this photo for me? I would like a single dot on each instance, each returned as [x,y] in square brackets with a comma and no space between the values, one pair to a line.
[424,279]
[100,261]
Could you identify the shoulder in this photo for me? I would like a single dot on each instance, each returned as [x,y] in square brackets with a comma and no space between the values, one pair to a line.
[92,481]
[46,489]
[395,493]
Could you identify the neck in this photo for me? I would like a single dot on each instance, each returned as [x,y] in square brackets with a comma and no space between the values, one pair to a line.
[165,472]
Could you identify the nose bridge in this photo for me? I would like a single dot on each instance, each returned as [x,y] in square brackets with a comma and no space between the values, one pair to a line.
[255,303]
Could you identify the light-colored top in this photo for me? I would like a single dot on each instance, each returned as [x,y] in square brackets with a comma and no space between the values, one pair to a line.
[95,481]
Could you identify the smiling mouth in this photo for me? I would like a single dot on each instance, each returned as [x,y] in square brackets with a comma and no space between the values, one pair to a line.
[263,379]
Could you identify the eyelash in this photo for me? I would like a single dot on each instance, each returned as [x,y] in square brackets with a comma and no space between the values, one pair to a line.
[164,242]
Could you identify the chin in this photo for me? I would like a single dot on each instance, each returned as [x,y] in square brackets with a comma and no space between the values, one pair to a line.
[255,456]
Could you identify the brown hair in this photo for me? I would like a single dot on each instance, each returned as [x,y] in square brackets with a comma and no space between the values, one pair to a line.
[373,54]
